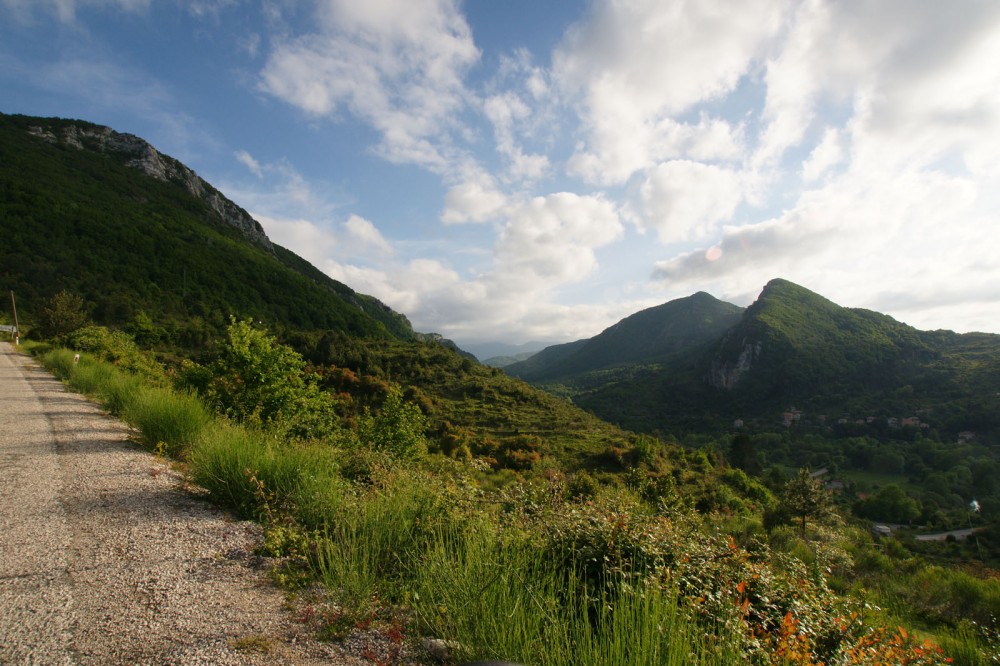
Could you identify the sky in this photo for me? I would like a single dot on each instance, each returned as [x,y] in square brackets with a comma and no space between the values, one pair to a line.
[525,170]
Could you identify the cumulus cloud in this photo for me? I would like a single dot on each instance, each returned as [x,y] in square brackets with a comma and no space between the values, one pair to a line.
[683,199]
[635,67]
[366,234]
[396,64]
[550,240]
[473,202]
[906,67]
[546,242]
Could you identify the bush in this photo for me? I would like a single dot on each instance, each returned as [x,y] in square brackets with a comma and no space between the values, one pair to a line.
[398,428]
[260,382]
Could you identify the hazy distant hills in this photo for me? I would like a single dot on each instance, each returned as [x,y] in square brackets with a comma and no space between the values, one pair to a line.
[499,354]
[698,362]
[105,215]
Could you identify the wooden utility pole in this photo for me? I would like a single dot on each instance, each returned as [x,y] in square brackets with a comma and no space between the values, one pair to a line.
[17,329]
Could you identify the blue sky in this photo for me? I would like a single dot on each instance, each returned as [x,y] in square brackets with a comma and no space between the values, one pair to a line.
[517,170]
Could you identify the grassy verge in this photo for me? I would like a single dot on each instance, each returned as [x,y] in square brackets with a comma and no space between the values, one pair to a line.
[528,575]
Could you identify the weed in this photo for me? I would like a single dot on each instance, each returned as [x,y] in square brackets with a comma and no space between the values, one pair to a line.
[252,643]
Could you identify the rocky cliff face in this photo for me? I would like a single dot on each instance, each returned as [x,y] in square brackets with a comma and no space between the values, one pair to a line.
[139,154]
[726,374]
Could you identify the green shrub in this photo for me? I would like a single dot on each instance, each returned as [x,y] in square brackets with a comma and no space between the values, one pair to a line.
[119,349]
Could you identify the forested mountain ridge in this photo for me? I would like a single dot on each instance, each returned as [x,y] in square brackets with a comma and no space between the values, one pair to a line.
[650,336]
[82,215]
[107,216]
[790,348]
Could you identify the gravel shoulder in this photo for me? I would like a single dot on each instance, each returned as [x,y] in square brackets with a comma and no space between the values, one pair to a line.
[106,557]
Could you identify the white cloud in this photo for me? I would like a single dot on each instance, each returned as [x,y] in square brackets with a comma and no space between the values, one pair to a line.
[636,66]
[305,238]
[396,64]
[472,202]
[551,240]
[684,200]
[908,67]
[365,233]
[861,240]
[505,111]
[827,154]
[246,159]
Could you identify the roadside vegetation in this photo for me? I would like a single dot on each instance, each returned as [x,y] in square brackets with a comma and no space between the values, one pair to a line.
[420,530]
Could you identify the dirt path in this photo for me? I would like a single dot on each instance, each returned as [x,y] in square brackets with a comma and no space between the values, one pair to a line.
[106,559]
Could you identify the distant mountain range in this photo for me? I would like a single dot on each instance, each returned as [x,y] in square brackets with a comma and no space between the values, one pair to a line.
[654,335]
[498,354]
[698,362]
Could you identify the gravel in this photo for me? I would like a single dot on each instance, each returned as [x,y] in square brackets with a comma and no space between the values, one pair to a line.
[106,557]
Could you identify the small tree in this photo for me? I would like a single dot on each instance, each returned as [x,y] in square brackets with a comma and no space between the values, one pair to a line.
[63,314]
[398,427]
[260,381]
[804,497]
[742,454]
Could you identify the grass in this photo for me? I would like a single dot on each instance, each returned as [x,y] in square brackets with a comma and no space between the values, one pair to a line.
[252,473]
[166,420]
[384,534]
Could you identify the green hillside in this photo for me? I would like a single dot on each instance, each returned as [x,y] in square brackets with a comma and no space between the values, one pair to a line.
[653,335]
[155,251]
[77,217]
[791,348]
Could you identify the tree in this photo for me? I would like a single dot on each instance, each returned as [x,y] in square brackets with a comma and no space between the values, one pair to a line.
[63,314]
[742,454]
[260,381]
[804,497]
[890,504]
[398,428]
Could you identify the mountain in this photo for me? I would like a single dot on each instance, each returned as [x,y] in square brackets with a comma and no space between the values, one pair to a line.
[790,348]
[158,252]
[488,350]
[107,216]
[792,341]
[504,361]
[654,335]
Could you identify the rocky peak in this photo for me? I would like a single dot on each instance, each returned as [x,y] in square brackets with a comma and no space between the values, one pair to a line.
[139,154]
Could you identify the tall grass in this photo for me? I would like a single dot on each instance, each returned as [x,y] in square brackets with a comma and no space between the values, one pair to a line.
[164,418]
[167,420]
[508,600]
[378,538]
[259,477]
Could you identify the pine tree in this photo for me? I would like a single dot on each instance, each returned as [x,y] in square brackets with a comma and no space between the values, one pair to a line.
[804,497]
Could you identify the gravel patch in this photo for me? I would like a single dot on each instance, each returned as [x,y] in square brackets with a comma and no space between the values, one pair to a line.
[106,558]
